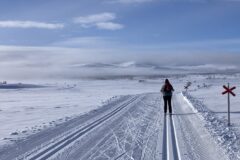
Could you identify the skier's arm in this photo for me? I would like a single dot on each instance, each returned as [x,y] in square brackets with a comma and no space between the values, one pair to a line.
[162,89]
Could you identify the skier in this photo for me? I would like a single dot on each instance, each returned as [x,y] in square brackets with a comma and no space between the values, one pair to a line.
[167,90]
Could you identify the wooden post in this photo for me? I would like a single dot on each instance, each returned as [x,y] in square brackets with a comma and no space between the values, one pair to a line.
[228,107]
[229,91]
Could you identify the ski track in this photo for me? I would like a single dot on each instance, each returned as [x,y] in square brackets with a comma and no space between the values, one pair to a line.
[50,135]
[127,140]
[56,147]
[130,128]
[195,141]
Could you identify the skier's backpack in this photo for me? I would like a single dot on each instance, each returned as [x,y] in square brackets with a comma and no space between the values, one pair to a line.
[168,88]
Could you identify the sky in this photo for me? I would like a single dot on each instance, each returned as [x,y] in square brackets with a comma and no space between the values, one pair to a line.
[59,33]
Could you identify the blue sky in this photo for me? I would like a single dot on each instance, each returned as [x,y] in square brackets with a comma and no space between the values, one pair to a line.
[168,32]
[149,22]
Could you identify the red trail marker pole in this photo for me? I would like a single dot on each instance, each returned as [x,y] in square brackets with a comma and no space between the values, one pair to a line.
[229,91]
[229,123]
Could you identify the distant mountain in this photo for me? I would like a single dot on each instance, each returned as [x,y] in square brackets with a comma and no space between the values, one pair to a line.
[132,65]
[93,65]
[127,64]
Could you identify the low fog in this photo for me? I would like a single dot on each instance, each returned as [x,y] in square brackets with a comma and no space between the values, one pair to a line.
[71,63]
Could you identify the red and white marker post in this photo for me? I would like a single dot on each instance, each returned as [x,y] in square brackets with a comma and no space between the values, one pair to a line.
[229,91]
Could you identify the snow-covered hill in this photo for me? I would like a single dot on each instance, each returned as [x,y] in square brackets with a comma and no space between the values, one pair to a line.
[19,86]
[132,69]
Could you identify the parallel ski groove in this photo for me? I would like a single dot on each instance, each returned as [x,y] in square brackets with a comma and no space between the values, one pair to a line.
[169,137]
[50,151]
[165,140]
[176,151]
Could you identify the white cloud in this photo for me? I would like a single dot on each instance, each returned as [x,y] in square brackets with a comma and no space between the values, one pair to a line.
[30,24]
[86,42]
[96,18]
[109,25]
[100,21]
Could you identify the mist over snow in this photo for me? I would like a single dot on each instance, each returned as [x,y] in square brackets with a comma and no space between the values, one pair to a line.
[211,67]
[72,63]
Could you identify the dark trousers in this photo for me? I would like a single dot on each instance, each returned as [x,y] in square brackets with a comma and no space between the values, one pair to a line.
[167,101]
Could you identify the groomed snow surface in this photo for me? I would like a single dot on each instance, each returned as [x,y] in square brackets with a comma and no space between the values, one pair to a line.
[120,119]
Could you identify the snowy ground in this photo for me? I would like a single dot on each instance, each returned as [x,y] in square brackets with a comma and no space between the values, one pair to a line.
[205,96]
[65,121]
[31,110]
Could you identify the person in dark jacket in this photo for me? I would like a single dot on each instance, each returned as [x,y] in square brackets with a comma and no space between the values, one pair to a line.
[167,90]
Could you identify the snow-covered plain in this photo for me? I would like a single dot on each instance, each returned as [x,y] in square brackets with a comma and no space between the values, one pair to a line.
[24,112]
[27,111]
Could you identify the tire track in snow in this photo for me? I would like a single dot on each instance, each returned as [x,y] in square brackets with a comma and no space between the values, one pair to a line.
[56,147]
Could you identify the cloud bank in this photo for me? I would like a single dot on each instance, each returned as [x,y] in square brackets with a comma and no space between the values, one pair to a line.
[30,24]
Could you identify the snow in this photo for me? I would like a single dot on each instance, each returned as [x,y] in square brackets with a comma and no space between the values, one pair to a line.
[134,131]
[205,96]
[28,111]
